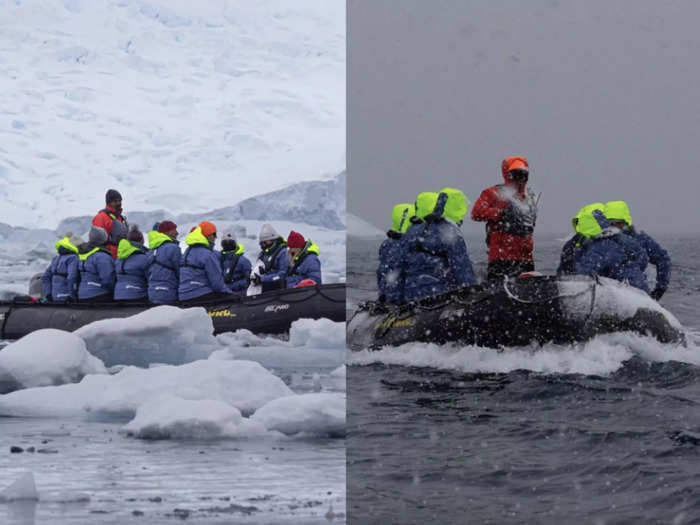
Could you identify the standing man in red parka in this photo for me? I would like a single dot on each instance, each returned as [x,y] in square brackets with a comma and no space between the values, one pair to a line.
[110,218]
[509,211]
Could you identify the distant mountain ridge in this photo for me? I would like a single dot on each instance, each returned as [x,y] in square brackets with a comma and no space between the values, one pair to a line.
[317,203]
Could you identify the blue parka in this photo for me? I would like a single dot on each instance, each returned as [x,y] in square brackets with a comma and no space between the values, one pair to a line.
[657,256]
[568,254]
[276,263]
[96,268]
[614,255]
[306,265]
[236,268]
[164,270]
[434,260]
[60,280]
[130,267]
[200,268]
[388,269]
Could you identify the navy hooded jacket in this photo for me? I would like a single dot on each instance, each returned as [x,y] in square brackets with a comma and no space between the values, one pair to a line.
[388,269]
[434,260]
[614,255]
[60,280]
[276,263]
[306,266]
[236,268]
[130,267]
[200,268]
[657,255]
[96,268]
[164,270]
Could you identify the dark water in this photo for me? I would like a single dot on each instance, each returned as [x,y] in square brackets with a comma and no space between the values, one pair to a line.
[457,443]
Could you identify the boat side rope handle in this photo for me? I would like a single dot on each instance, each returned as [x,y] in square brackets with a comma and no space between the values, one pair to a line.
[512,295]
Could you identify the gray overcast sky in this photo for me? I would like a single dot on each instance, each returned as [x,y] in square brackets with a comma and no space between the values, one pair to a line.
[602,97]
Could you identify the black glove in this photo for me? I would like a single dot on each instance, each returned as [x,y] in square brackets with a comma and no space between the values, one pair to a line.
[256,279]
[657,293]
[515,221]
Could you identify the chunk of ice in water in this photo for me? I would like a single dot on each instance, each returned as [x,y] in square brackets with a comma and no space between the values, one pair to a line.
[23,488]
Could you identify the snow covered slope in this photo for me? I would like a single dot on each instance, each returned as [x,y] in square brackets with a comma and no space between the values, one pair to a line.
[316,203]
[182,106]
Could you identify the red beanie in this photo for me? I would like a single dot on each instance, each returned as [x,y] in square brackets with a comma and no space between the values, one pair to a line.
[167,226]
[295,240]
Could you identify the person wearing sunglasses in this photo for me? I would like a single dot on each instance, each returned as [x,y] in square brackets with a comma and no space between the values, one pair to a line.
[509,210]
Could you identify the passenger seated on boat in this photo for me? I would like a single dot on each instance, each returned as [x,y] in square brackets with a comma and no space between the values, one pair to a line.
[575,243]
[164,271]
[618,213]
[235,265]
[130,267]
[609,253]
[270,269]
[434,258]
[201,277]
[390,252]
[96,268]
[60,280]
[303,260]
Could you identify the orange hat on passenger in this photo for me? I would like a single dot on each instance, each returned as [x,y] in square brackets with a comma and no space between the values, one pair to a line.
[207,228]
[514,163]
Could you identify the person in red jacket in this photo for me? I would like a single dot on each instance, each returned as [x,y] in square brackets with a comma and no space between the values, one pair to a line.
[111,220]
[509,211]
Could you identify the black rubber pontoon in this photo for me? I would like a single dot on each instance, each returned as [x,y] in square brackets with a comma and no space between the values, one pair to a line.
[515,312]
[271,312]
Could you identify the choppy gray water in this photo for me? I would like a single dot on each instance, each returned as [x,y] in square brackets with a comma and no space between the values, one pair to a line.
[454,446]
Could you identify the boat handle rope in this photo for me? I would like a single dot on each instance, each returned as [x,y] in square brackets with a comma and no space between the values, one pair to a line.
[511,295]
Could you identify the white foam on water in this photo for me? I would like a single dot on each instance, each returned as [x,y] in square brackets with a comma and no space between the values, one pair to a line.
[602,355]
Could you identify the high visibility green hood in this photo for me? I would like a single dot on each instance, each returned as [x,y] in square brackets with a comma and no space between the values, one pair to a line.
[65,243]
[456,205]
[401,217]
[425,204]
[126,249]
[196,237]
[240,248]
[84,256]
[588,208]
[618,211]
[587,225]
[155,239]
[309,247]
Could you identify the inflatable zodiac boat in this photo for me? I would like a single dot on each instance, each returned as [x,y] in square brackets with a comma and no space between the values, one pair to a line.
[516,312]
[271,312]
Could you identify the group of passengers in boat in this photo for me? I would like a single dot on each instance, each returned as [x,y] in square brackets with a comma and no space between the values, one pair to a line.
[425,254]
[115,264]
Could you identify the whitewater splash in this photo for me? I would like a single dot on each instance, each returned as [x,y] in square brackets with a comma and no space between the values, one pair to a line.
[602,355]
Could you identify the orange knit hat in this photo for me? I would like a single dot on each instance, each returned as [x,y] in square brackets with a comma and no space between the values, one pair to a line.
[207,228]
